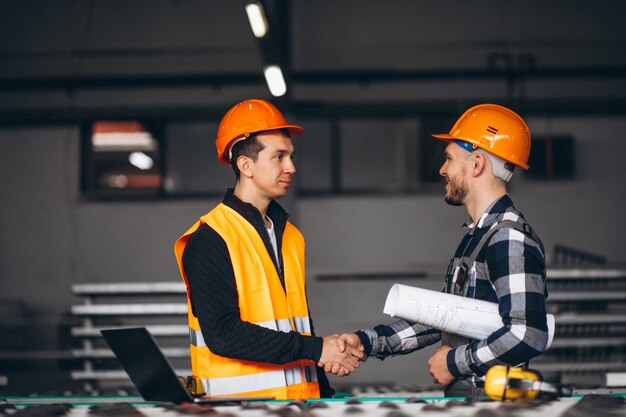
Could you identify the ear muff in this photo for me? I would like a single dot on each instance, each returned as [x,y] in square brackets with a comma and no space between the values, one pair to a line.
[508,383]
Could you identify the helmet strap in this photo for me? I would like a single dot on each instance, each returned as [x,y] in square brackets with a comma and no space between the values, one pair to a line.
[499,166]
[230,147]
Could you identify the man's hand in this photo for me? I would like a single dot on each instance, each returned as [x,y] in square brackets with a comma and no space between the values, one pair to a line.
[438,367]
[346,340]
[340,362]
[350,339]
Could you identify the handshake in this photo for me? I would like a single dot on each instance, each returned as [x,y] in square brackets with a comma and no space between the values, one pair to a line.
[341,354]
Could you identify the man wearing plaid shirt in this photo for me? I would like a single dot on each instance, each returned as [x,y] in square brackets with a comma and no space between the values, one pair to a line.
[507,267]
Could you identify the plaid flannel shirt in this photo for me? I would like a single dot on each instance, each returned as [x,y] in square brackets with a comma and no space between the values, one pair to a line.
[511,271]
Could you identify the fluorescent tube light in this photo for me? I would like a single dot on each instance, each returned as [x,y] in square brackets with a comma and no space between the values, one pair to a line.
[141,160]
[275,80]
[257,20]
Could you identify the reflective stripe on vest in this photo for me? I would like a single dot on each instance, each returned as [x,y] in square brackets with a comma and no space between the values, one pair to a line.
[259,381]
[196,338]
[303,326]
[283,325]
[310,373]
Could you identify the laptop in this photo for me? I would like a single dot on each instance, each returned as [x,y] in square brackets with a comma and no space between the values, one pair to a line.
[150,371]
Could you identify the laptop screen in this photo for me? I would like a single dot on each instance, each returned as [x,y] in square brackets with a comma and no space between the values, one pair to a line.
[146,365]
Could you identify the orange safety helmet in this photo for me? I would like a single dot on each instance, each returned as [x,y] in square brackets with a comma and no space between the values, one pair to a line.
[495,129]
[246,118]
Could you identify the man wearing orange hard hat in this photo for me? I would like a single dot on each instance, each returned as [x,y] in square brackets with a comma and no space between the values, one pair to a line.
[500,259]
[243,266]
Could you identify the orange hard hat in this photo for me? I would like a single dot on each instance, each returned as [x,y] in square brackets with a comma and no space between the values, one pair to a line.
[495,129]
[246,118]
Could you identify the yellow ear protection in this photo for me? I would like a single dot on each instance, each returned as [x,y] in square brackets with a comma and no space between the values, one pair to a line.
[507,383]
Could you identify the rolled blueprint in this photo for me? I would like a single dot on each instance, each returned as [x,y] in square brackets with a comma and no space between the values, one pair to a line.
[475,319]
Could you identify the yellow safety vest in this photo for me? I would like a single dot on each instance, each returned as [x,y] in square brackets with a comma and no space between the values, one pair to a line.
[262,301]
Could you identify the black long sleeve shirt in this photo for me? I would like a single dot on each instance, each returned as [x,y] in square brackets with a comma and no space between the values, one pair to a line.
[215,301]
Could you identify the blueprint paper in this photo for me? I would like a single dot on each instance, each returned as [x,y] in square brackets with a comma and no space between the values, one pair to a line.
[475,319]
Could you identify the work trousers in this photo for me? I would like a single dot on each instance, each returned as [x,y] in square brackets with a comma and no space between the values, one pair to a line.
[464,387]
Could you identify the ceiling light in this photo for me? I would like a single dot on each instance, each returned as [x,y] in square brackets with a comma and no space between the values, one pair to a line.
[275,80]
[141,160]
[257,20]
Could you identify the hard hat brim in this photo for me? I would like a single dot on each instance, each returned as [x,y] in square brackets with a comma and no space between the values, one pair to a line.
[449,138]
[292,129]
[444,136]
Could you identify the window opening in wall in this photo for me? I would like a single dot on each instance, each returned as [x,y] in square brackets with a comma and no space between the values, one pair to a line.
[432,149]
[191,167]
[122,160]
[552,158]
[314,158]
[134,159]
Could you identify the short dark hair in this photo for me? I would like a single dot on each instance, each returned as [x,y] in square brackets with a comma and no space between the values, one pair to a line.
[249,147]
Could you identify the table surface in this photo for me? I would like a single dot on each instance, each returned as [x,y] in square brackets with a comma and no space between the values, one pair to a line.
[605,404]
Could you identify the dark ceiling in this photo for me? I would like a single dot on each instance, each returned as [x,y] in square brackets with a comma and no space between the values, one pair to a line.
[70,60]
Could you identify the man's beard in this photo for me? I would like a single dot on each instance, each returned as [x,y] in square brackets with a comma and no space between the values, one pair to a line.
[458,191]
